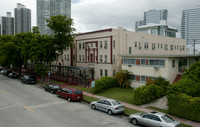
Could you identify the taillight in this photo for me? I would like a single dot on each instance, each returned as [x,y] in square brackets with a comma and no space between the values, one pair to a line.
[116,108]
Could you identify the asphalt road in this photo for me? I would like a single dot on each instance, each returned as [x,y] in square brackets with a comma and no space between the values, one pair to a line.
[30,106]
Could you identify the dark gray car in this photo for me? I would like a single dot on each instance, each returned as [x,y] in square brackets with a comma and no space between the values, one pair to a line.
[153,119]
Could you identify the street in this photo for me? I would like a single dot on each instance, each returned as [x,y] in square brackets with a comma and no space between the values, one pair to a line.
[24,105]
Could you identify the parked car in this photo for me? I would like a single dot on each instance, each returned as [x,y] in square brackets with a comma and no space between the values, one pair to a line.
[52,88]
[2,71]
[12,75]
[108,105]
[153,119]
[29,79]
[70,94]
[6,72]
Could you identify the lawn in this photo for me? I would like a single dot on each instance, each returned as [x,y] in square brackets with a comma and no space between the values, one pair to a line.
[120,94]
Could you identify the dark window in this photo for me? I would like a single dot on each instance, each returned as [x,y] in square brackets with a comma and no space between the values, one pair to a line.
[173,63]
[77,92]
[156,118]
[107,102]
[129,50]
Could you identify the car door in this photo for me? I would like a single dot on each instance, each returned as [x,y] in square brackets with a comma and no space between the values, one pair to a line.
[106,105]
[99,104]
[151,120]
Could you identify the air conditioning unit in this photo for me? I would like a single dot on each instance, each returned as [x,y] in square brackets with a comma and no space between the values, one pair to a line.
[129,65]
[156,68]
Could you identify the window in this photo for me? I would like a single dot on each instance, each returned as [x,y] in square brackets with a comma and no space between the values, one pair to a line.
[173,63]
[106,72]
[156,118]
[183,48]
[129,61]
[79,57]
[67,48]
[185,62]
[143,62]
[65,57]
[83,45]
[79,45]
[101,45]
[101,58]
[113,58]
[114,44]
[153,46]
[139,45]
[105,46]
[129,50]
[133,77]
[157,62]
[158,46]
[74,57]
[83,57]
[105,57]
[135,44]
[101,72]
[113,72]
[142,78]
[166,47]
[146,45]
[161,46]
[171,47]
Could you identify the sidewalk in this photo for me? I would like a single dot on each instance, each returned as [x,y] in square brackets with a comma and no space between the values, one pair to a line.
[142,109]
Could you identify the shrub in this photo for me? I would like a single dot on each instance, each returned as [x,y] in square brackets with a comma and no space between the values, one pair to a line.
[104,83]
[122,78]
[184,106]
[146,94]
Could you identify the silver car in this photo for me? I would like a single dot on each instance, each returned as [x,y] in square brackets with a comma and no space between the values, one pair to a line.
[153,119]
[108,105]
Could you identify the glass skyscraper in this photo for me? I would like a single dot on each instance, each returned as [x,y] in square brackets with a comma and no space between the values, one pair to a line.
[22,19]
[48,8]
[190,25]
[154,16]
[7,25]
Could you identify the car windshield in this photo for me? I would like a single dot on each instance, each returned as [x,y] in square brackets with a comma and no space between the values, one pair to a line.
[32,77]
[55,86]
[167,119]
[115,102]
[77,92]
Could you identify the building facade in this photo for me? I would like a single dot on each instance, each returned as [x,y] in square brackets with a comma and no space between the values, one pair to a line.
[138,24]
[7,25]
[99,50]
[158,29]
[190,26]
[22,19]
[169,67]
[48,8]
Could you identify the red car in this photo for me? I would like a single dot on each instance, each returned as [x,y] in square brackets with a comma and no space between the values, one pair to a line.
[70,94]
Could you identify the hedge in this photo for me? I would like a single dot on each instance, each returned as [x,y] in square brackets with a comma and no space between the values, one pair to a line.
[184,106]
[104,83]
[146,94]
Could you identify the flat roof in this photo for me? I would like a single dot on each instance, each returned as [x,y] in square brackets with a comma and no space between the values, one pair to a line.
[160,55]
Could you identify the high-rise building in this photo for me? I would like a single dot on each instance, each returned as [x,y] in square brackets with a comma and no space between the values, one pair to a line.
[7,25]
[22,19]
[154,16]
[190,25]
[48,8]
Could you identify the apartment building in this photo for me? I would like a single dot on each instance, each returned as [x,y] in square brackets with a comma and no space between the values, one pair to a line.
[100,50]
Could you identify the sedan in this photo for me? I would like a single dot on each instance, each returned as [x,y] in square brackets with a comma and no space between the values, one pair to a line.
[153,119]
[31,79]
[108,105]
[12,75]
[52,88]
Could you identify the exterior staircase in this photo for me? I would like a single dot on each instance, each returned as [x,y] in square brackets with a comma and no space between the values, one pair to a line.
[178,77]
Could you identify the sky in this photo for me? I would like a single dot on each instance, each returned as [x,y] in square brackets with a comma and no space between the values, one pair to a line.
[91,15]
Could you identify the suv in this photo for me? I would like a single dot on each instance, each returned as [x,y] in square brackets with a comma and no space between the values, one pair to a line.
[70,94]
[29,79]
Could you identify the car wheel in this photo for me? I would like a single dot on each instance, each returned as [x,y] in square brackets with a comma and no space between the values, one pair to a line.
[134,121]
[51,92]
[58,95]
[109,112]
[93,107]
[69,99]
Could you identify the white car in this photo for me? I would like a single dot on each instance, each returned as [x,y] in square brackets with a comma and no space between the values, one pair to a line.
[108,105]
[153,119]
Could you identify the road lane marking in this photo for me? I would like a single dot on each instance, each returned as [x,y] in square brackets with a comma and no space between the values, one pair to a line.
[47,104]
[4,92]
[8,106]
[28,108]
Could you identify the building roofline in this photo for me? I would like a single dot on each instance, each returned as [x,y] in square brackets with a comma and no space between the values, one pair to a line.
[160,55]
[94,32]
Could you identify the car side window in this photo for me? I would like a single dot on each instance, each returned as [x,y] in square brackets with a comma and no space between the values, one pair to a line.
[148,116]
[156,118]
[101,102]
[107,103]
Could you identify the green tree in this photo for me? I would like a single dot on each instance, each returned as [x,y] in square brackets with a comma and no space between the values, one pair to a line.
[123,78]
